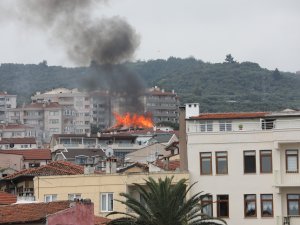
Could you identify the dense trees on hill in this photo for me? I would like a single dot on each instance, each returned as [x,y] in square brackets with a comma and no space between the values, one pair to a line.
[228,86]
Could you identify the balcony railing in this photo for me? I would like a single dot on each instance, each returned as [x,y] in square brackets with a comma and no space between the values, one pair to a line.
[25,198]
[284,179]
[239,126]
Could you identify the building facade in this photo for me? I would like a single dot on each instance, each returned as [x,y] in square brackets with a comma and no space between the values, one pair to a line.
[162,105]
[249,162]
[7,101]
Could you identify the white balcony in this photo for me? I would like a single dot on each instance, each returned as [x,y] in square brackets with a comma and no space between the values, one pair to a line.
[283,179]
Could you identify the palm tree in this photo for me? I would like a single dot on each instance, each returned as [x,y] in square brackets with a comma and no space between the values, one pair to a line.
[164,204]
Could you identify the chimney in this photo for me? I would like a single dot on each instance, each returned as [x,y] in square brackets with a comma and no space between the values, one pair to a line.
[163,90]
[111,165]
[182,140]
[192,109]
[89,170]
[98,134]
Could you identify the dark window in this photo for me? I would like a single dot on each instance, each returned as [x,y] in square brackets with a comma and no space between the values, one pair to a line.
[267,124]
[222,205]
[207,205]
[266,161]
[205,163]
[293,202]
[221,163]
[266,205]
[291,161]
[249,162]
[225,125]
[250,205]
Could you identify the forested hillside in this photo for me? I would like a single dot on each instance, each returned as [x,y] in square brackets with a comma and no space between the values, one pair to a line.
[228,86]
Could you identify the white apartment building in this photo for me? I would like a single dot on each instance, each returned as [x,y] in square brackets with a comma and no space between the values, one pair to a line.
[7,102]
[248,162]
[76,108]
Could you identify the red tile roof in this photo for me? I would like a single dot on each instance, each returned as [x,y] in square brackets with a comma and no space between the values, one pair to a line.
[32,212]
[43,105]
[18,140]
[233,115]
[31,154]
[100,220]
[51,169]
[171,165]
[14,126]
[7,198]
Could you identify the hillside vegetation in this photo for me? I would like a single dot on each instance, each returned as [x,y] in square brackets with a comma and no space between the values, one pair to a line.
[228,86]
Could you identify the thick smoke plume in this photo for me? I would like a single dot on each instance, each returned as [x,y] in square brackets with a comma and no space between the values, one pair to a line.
[103,43]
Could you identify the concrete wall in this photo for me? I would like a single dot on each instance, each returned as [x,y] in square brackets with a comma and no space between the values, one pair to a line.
[11,161]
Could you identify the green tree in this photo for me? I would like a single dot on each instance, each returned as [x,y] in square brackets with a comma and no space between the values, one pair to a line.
[229,59]
[164,204]
[276,74]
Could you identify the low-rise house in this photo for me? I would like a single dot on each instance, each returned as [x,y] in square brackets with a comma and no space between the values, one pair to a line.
[51,213]
[24,159]
[18,143]
[102,189]
[21,183]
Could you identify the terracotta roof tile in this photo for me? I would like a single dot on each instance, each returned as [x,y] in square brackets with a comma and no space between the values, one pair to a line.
[7,198]
[14,126]
[51,169]
[43,105]
[32,212]
[172,165]
[233,115]
[27,140]
[31,154]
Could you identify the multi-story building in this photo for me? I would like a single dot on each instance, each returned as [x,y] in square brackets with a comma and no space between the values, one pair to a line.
[7,102]
[45,118]
[16,131]
[76,108]
[162,105]
[248,162]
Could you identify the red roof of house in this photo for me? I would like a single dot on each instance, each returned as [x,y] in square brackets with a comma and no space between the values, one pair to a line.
[52,169]
[14,126]
[25,140]
[233,115]
[32,212]
[171,165]
[98,220]
[31,154]
[43,105]
[7,198]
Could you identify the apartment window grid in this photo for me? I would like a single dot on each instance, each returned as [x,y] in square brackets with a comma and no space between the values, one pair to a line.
[292,161]
[221,162]
[225,125]
[73,196]
[205,163]
[266,165]
[223,206]
[106,202]
[266,205]
[249,161]
[206,126]
[293,204]
[250,208]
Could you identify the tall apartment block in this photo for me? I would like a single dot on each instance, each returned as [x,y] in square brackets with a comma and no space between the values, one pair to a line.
[76,108]
[162,105]
[7,101]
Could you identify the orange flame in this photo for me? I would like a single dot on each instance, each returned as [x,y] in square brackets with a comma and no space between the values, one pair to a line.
[135,120]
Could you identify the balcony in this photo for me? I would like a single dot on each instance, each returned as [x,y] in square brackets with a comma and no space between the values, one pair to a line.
[283,179]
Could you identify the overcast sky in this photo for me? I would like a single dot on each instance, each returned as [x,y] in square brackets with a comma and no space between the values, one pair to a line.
[262,31]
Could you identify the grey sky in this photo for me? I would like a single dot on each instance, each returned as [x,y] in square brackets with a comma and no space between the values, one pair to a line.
[262,31]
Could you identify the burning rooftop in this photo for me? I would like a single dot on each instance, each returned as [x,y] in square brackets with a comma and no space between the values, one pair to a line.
[132,121]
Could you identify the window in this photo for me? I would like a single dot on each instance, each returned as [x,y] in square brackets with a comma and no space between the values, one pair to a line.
[81,159]
[266,205]
[293,202]
[50,198]
[221,163]
[222,205]
[291,157]
[53,113]
[249,162]
[266,161]
[250,205]
[267,124]
[53,121]
[225,125]
[206,126]
[207,205]
[106,202]
[71,197]
[34,165]
[205,163]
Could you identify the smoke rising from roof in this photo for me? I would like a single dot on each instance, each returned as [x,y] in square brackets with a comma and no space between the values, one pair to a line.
[85,39]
